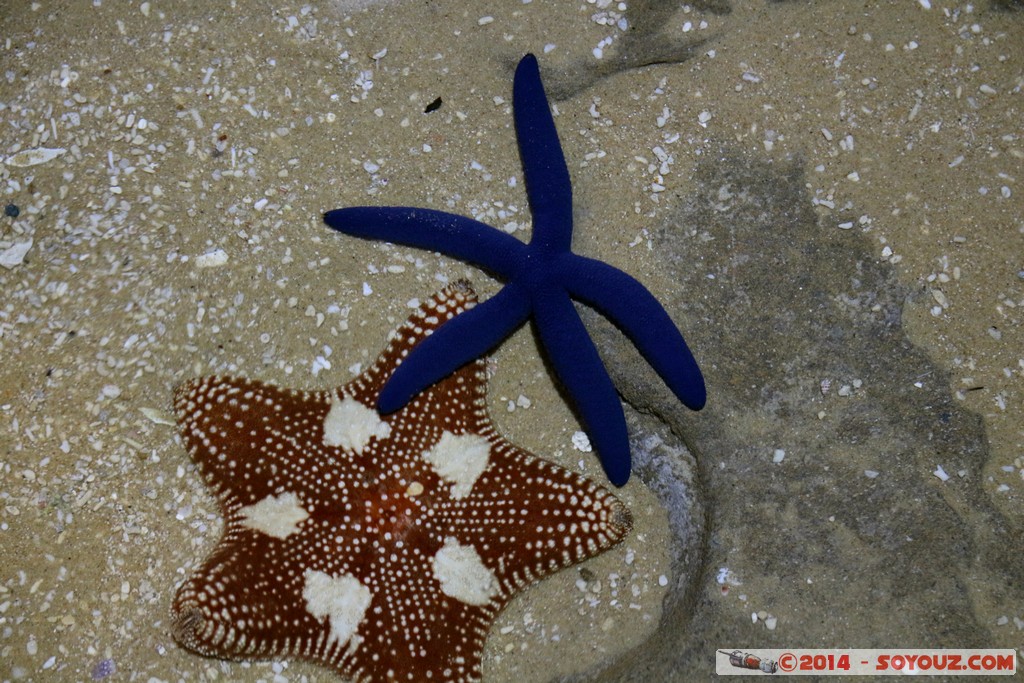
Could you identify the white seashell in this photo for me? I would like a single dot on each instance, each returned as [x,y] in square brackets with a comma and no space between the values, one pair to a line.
[31,157]
[15,255]
[211,259]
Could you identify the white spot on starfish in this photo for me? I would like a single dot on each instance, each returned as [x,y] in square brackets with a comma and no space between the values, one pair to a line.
[351,425]
[460,460]
[343,600]
[462,573]
[277,516]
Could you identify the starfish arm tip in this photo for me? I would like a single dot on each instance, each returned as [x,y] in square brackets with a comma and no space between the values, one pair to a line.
[392,398]
[618,474]
[699,395]
[528,60]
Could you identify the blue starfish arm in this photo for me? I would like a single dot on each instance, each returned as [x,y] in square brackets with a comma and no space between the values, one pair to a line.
[577,365]
[453,235]
[627,303]
[464,338]
[547,177]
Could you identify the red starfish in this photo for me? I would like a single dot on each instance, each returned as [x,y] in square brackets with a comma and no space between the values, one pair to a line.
[383,547]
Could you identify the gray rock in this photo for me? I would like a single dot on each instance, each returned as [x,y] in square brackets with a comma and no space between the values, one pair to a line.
[773,305]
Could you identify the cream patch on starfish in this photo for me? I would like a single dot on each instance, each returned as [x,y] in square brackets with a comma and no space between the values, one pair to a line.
[277,516]
[463,575]
[460,459]
[343,600]
[351,425]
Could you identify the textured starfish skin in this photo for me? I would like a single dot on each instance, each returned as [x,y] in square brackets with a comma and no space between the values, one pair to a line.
[542,278]
[373,545]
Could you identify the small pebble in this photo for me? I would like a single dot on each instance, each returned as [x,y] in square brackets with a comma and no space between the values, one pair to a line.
[581,442]
[211,259]
[103,668]
[12,210]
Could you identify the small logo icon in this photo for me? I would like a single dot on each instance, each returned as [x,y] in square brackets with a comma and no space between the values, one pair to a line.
[745,660]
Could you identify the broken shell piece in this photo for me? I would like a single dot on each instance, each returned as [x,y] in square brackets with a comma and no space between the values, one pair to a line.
[31,157]
[15,255]
[159,417]
[211,259]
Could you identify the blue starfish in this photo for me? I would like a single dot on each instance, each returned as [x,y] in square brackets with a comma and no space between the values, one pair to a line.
[543,277]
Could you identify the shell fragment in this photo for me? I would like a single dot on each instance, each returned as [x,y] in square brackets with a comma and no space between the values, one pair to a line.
[32,157]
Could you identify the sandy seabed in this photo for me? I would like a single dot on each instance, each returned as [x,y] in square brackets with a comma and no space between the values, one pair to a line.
[177,233]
